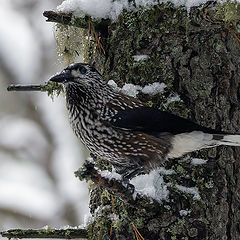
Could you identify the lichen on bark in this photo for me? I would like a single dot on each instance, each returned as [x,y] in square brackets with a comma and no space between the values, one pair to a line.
[70,42]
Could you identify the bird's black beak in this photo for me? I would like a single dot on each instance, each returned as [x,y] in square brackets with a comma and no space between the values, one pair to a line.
[62,77]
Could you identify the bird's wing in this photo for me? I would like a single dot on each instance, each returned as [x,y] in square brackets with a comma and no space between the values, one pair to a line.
[154,121]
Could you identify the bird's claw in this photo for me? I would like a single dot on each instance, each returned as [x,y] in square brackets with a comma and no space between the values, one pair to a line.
[129,187]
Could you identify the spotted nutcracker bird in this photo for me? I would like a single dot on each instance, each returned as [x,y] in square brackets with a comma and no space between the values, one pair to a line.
[125,131]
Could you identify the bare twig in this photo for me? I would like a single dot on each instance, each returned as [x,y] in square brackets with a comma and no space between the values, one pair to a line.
[137,233]
[232,33]
[20,87]
[49,87]
[46,233]
[97,39]
[58,17]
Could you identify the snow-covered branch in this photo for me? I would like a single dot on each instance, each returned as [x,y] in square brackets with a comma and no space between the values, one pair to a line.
[89,172]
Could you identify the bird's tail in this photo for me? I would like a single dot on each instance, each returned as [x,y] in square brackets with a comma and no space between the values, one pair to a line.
[188,142]
[227,139]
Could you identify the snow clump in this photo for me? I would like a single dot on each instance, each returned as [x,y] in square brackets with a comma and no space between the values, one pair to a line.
[102,8]
[132,90]
[112,9]
[151,185]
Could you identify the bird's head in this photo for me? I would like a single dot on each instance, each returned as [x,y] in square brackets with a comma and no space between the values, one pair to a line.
[78,73]
[82,81]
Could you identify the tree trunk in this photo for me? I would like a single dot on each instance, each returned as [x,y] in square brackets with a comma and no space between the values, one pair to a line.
[196,55]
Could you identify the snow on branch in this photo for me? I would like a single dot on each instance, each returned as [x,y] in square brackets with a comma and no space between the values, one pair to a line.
[69,233]
[89,172]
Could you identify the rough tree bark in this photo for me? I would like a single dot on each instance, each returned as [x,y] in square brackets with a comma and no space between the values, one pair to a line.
[196,55]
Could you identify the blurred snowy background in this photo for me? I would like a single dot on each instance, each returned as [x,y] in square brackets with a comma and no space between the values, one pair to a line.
[38,150]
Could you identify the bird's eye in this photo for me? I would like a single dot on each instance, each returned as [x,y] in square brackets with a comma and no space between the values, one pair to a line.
[83,70]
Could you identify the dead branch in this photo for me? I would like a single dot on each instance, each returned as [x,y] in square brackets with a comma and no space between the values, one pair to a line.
[71,20]
[46,233]
[20,87]
[49,87]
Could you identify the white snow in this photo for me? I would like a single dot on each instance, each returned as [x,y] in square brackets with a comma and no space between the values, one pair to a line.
[72,227]
[113,84]
[184,212]
[90,159]
[113,217]
[111,9]
[132,90]
[198,161]
[95,8]
[151,185]
[138,58]
[154,88]
[165,171]
[87,219]
[146,3]
[46,227]
[110,175]
[190,190]
[167,207]
[173,98]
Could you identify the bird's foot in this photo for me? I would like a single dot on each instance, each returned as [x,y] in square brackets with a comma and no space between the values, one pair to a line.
[129,187]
